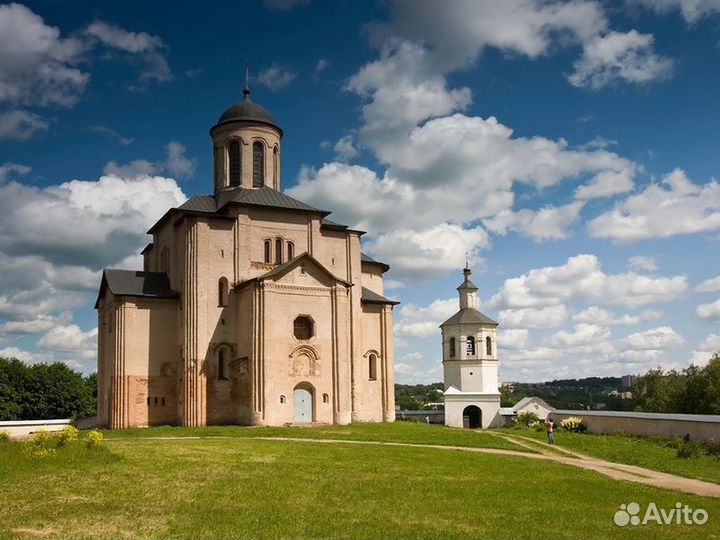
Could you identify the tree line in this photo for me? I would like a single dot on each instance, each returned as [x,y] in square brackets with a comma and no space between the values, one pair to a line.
[574,394]
[693,390]
[50,391]
[44,391]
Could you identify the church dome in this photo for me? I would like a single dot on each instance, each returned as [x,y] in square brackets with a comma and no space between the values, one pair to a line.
[247,111]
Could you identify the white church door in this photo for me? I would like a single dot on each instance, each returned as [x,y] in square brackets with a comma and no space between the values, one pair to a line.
[303,404]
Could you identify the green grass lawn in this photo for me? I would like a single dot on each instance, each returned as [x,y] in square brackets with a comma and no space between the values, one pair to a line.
[238,487]
[642,451]
[405,432]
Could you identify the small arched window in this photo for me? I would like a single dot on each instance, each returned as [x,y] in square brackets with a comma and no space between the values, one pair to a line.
[372,367]
[222,375]
[290,250]
[258,164]
[276,163]
[470,346]
[234,159]
[278,251]
[326,398]
[303,327]
[282,399]
[223,292]
[451,346]
[488,346]
[268,252]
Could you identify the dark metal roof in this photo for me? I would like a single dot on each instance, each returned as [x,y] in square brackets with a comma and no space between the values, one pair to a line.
[469,315]
[332,224]
[264,196]
[370,297]
[248,111]
[467,284]
[136,283]
[199,203]
[369,260]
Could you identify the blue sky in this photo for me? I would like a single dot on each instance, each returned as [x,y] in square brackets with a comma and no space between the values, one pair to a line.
[569,147]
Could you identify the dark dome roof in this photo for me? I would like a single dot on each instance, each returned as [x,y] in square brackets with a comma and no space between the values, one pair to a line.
[247,111]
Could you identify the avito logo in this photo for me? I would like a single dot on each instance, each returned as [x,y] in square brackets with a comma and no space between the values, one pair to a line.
[630,514]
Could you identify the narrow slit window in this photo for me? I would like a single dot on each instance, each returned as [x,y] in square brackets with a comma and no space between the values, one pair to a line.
[451,347]
[372,367]
[278,251]
[258,164]
[221,365]
[234,159]
[276,164]
[488,346]
[268,250]
[291,250]
[223,292]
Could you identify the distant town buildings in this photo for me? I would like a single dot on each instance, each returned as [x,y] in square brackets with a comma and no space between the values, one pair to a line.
[629,381]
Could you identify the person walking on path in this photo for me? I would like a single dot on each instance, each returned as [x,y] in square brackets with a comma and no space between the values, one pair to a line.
[550,426]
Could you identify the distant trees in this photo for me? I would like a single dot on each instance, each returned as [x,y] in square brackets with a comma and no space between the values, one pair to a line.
[694,390]
[589,392]
[44,391]
[413,397]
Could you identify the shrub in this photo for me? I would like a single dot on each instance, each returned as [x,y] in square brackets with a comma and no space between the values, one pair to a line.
[39,445]
[40,438]
[676,443]
[712,449]
[527,419]
[4,436]
[688,450]
[574,424]
[94,439]
[67,434]
[540,428]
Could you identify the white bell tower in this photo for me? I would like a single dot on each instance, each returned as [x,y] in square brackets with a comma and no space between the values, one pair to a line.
[470,363]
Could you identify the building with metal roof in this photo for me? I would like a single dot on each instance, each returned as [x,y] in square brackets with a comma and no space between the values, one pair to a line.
[252,307]
[470,363]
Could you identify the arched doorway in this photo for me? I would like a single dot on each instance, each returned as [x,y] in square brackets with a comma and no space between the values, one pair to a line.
[303,404]
[472,417]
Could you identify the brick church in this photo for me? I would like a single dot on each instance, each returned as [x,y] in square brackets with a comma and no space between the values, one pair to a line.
[252,308]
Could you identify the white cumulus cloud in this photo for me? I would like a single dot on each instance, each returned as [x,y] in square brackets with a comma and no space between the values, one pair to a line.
[709,285]
[659,338]
[582,278]
[619,56]
[710,312]
[677,206]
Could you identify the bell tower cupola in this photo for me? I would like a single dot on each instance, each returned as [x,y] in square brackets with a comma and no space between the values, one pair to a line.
[246,147]
[468,291]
